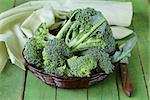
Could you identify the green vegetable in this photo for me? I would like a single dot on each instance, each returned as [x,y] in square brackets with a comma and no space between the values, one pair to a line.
[34,47]
[43,34]
[33,52]
[102,58]
[81,66]
[60,71]
[81,47]
[55,53]
[87,28]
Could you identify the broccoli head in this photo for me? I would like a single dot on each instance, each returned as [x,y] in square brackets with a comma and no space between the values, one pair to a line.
[81,66]
[34,47]
[102,37]
[60,71]
[102,58]
[55,53]
[33,52]
[42,34]
[87,28]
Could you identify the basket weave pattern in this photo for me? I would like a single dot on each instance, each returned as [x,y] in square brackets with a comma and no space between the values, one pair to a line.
[67,82]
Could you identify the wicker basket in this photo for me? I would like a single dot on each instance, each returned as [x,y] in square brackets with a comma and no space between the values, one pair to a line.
[66,82]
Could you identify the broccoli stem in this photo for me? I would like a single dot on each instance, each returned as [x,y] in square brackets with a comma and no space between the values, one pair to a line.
[69,32]
[86,45]
[64,29]
[89,33]
[67,36]
[66,26]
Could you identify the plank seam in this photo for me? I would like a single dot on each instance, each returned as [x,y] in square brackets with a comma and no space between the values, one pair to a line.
[24,85]
[117,83]
[87,94]
[56,93]
[143,72]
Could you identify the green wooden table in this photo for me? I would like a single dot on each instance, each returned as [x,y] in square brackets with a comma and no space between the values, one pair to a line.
[15,84]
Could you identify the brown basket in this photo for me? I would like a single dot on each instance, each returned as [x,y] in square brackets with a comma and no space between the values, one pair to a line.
[66,82]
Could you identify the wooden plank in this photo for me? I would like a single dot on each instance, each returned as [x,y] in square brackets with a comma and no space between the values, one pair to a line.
[11,82]
[5,5]
[71,94]
[38,90]
[140,22]
[105,90]
[135,72]
[141,27]
[18,2]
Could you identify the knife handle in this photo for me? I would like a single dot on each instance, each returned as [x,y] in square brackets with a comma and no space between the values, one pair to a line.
[125,79]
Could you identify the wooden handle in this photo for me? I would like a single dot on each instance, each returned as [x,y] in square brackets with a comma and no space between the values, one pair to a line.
[125,79]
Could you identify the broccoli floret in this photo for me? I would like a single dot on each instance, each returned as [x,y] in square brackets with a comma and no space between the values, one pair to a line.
[87,28]
[81,66]
[43,34]
[60,71]
[34,47]
[55,53]
[33,52]
[102,58]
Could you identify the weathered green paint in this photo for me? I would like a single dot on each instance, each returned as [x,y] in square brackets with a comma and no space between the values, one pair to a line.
[5,5]
[136,74]
[104,90]
[11,82]
[71,94]
[37,90]
[141,27]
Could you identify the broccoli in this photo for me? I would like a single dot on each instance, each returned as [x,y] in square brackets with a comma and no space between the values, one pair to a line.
[81,66]
[82,45]
[60,71]
[42,34]
[55,53]
[102,58]
[87,28]
[34,47]
[33,52]
[102,37]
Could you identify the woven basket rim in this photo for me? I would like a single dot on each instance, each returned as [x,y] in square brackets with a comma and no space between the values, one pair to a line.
[62,77]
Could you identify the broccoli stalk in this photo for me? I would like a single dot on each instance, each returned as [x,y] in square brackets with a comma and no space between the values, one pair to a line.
[77,42]
[66,26]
